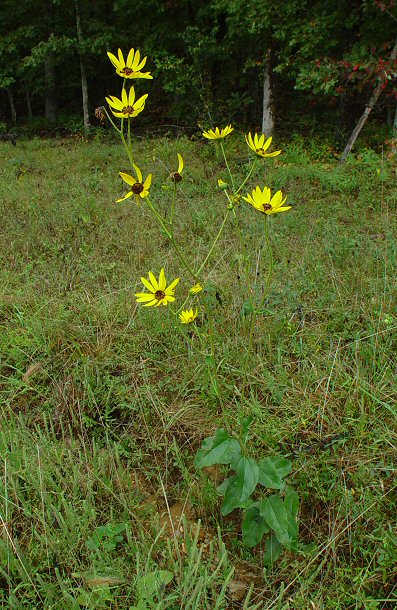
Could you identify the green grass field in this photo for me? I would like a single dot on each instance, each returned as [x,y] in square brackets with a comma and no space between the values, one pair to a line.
[104,403]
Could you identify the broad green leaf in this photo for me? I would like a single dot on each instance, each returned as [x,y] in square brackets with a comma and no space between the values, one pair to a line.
[272,551]
[247,421]
[254,526]
[153,583]
[240,487]
[291,501]
[275,513]
[282,465]
[218,449]
[292,533]
[221,489]
[272,470]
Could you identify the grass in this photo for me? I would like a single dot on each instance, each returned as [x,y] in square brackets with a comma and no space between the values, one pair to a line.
[103,404]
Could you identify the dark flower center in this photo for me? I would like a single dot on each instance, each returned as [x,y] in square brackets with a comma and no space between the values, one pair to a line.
[159,295]
[128,110]
[266,206]
[137,188]
[259,150]
[127,71]
[176,177]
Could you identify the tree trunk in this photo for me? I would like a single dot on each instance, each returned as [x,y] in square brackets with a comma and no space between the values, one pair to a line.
[267,109]
[51,105]
[374,98]
[10,95]
[84,85]
[28,104]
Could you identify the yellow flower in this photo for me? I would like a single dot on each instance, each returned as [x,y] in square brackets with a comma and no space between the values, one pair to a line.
[264,202]
[130,68]
[222,185]
[159,293]
[196,288]
[260,146]
[127,107]
[138,188]
[188,315]
[176,176]
[217,134]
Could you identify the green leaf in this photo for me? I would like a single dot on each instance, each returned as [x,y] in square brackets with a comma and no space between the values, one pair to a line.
[218,449]
[272,551]
[152,584]
[275,513]
[282,465]
[254,526]
[291,501]
[292,533]
[240,487]
[272,470]
[247,421]
[221,489]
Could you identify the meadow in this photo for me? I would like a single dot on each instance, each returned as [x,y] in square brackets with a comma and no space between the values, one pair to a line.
[105,403]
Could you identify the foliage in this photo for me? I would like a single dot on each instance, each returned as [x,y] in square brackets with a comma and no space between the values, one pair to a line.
[270,515]
[208,57]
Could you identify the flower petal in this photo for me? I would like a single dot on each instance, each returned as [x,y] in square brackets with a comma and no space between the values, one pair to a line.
[172,285]
[148,182]
[162,280]
[127,178]
[180,164]
[114,60]
[130,58]
[129,194]
[148,285]
[143,297]
[153,281]
[138,173]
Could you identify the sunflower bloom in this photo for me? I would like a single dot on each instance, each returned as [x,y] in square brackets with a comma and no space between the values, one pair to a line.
[138,188]
[188,315]
[177,176]
[263,201]
[131,67]
[127,107]
[217,134]
[159,293]
[259,145]
[196,288]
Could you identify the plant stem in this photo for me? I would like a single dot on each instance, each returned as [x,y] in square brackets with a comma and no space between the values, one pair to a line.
[214,243]
[248,176]
[227,166]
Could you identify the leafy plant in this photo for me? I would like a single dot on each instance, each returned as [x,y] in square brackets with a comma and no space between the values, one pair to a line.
[273,514]
[150,587]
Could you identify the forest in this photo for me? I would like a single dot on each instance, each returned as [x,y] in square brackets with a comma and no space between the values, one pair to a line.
[294,66]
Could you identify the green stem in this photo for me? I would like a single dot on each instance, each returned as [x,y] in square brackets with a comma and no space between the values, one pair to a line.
[269,251]
[256,311]
[227,165]
[215,242]
[160,218]
[173,205]
[129,135]
[111,120]
[182,258]
[127,148]
[248,176]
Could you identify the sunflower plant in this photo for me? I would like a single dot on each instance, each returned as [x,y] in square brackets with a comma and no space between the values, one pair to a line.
[273,515]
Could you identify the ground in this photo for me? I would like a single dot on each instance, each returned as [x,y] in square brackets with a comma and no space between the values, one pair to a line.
[104,404]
